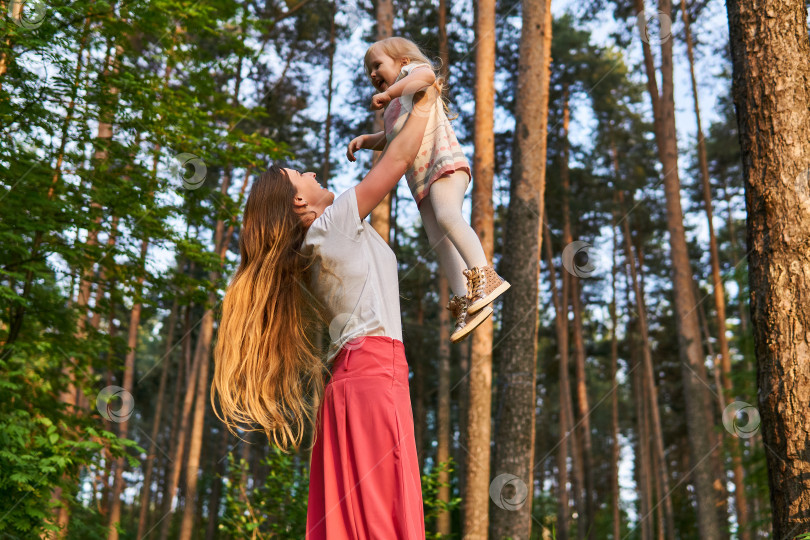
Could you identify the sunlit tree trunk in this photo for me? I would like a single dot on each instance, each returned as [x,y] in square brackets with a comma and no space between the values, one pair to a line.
[443,425]
[718,290]
[614,398]
[647,372]
[582,467]
[693,369]
[479,409]
[127,384]
[771,59]
[146,490]
[201,358]
[517,362]
[327,137]
[417,388]
[560,301]
[443,403]
[381,214]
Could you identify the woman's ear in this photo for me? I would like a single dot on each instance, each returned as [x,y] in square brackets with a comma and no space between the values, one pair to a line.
[299,203]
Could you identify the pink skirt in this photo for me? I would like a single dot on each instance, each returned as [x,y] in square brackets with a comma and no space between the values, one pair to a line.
[364,476]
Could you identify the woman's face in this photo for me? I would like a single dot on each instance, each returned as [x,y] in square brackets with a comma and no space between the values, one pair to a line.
[383,70]
[310,195]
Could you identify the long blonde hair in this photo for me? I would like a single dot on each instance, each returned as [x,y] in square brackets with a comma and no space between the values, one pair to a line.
[266,370]
[400,48]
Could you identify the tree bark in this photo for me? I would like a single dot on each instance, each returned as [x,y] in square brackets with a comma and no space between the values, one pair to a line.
[129,375]
[771,61]
[325,170]
[648,371]
[443,404]
[146,490]
[566,407]
[479,409]
[693,369]
[614,367]
[718,289]
[202,359]
[443,426]
[517,370]
[583,469]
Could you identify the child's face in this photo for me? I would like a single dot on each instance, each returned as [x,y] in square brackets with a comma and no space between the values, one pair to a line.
[383,70]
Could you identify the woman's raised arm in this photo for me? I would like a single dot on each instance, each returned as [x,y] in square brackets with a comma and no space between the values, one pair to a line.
[397,157]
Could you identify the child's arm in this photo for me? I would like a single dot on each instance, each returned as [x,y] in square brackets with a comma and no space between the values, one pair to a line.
[370,141]
[416,80]
[397,157]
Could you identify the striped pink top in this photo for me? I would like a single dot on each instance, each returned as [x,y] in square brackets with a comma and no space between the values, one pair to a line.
[440,153]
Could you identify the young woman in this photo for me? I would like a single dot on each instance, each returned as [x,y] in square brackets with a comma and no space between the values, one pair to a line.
[303,248]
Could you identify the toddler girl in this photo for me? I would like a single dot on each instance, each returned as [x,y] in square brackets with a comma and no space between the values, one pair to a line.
[438,178]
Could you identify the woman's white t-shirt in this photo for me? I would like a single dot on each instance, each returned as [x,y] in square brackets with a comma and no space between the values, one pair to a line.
[354,275]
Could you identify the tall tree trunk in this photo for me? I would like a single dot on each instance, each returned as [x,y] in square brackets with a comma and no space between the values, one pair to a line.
[693,369]
[202,357]
[381,214]
[460,451]
[325,170]
[586,520]
[771,58]
[582,471]
[417,387]
[443,404]
[179,439]
[577,468]
[642,445]
[129,374]
[146,491]
[614,398]
[718,289]
[5,57]
[218,461]
[517,370]
[443,425]
[566,407]
[479,409]
[648,371]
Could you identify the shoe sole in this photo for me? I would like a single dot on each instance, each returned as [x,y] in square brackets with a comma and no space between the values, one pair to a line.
[502,288]
[480,317]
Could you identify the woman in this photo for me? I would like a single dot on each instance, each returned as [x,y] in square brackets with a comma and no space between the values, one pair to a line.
[303,248]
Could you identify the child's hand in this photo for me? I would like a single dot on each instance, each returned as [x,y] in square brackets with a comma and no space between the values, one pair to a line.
[354,146]
[380,100]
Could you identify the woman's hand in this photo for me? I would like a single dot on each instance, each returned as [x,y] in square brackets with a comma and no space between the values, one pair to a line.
[356,144]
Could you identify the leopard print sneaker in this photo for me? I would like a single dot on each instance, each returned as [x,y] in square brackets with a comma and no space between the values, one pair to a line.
[465,322]
[483,285]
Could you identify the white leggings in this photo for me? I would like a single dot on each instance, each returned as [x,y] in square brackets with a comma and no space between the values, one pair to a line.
[455,242]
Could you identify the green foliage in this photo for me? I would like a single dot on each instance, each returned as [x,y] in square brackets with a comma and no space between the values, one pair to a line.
[42,445]
[277,508]
[433,505]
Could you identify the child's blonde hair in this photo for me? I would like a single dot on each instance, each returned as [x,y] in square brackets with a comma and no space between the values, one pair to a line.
[399,48]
